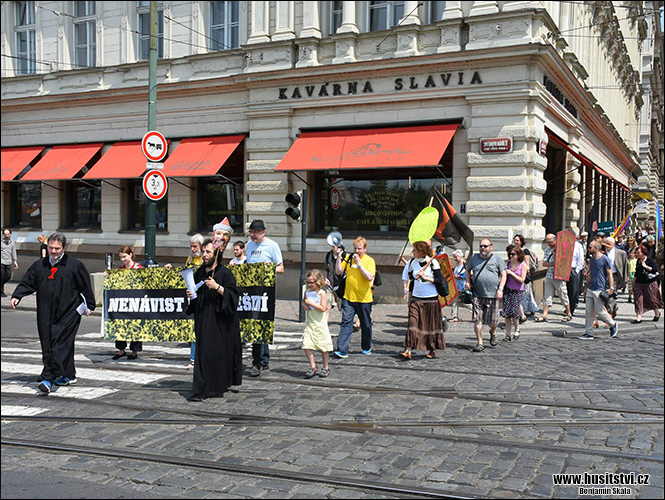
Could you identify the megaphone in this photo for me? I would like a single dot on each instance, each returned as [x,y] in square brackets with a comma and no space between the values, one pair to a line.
[188,275]
[334,239]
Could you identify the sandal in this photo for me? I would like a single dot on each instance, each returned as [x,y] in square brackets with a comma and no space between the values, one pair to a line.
[507,338]
[431,355]
[565,319]
[190,366]
[454,319]
[405,355]
[541,319]
[516,335]
[656,318]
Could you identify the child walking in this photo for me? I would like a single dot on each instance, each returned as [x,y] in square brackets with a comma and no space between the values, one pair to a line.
[632,267]
[316,335]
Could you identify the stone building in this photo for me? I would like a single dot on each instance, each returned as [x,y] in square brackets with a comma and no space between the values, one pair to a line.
[523,113]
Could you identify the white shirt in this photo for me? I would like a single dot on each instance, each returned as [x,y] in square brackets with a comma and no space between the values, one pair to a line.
[578,257]
[612,255]
[267,251]
[422,289]
[235,260]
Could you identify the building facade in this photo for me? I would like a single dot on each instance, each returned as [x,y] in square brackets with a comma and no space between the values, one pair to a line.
[544,103]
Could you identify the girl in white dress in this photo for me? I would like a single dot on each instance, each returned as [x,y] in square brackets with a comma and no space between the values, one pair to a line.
[316,335]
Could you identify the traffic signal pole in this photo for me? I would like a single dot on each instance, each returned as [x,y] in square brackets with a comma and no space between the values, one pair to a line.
[303,252]
[151,206]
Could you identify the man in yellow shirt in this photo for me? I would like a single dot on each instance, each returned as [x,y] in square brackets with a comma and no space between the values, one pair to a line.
[360,269]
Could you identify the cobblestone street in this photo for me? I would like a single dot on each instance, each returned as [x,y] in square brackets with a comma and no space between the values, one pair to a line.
[498,423]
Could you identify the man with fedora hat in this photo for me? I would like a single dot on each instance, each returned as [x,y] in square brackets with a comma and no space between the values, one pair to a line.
[262,249]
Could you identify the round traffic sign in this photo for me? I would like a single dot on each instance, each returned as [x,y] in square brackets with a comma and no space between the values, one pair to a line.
[155,185]
[154,146]
[335,198]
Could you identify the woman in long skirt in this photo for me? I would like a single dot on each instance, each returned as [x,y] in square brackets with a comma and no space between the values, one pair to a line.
[645,287]
[425,330]
[513,291]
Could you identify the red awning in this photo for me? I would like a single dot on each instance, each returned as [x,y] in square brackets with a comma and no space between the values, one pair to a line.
[585,161]
[417,146]
[62,162]
[202,156]
[14,160]
[123,161]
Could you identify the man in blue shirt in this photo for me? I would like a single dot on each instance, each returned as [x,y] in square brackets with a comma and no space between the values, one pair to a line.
[600,280]
[262,249]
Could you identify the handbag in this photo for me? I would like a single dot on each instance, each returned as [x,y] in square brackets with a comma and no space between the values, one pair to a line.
[377,278]
[467,295]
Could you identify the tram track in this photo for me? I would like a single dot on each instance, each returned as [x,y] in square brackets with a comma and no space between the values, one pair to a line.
[221,466]
[363,427]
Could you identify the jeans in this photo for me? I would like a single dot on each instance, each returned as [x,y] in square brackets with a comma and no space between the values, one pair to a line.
[364,312]
[192,352]
[595,304]
[260,355]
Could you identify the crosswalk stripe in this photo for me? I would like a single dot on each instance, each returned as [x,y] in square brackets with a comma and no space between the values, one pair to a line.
[88,373]
[67,391]
[22,411]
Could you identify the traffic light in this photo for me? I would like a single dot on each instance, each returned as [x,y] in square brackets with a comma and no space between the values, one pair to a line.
[294,199]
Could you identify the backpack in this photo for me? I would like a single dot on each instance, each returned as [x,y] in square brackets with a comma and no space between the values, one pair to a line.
[533,263]
[441,288]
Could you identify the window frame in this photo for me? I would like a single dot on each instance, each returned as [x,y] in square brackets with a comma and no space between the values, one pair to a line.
[27,61]
[390,13]
[144,10]
[70,192]
[16,216]
[432,11]
[90,20]
[228,43]
[333,11]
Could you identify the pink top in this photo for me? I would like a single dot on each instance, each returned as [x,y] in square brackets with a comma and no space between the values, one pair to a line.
[511,282]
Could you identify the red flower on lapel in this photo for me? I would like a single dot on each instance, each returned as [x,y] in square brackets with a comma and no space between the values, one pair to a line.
[53,271]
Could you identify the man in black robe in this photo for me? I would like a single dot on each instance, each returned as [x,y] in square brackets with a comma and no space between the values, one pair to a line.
[61,283]
[218,358]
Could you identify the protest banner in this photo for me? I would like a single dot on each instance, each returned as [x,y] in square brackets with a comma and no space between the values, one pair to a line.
[147,305]
[256,301]
[565,247]
[448,275]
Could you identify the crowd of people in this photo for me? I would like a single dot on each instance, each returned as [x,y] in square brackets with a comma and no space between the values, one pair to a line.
[600,268]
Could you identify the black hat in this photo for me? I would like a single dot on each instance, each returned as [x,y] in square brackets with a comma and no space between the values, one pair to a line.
[257,225]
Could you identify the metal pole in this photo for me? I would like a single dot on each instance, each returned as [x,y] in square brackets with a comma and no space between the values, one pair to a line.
[151,206]
[303,252]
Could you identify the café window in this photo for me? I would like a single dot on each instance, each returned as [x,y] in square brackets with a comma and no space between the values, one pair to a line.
[377,201]
[84,205]
[219,198]
[136,208]
[26,205]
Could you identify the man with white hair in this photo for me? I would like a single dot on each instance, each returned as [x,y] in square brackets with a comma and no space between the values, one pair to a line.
[619,263]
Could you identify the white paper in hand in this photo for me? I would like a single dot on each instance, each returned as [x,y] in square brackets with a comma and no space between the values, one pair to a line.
[83,308]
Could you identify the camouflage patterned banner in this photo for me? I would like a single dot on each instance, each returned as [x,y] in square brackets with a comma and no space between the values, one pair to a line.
[256,301]
[146,305]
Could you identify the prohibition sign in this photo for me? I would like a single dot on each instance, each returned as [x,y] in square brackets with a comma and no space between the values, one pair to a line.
[155,185]
[335,198]
[154,146]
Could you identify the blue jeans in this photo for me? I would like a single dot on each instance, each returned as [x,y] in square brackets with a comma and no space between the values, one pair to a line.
[260,355]
[349,310]
[192,351]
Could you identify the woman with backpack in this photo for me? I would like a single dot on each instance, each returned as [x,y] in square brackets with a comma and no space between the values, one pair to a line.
[423,281]
[529,304]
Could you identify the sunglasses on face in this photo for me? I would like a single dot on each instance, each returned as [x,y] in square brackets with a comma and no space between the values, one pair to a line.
[484,246]
[512,254]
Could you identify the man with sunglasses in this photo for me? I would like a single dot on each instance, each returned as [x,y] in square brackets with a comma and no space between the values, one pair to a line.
[486,277]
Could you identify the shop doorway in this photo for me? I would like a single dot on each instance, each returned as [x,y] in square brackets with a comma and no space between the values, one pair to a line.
[555,176]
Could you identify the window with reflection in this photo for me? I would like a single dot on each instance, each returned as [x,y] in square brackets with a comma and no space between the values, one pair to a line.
[143,12]
[222,196]
[136,208]
[84,205]
[224,25]
[24,28]
[384,15]
[25,205]
[377,201]
[85,34]
[436,11]
[336,10]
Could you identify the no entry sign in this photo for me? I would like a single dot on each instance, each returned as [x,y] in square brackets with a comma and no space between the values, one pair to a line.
[154,146]
[155,185]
